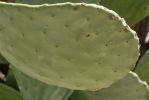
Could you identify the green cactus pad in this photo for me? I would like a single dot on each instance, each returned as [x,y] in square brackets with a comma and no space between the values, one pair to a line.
[3,60]
[35,90]
[7,93]
[142,68]
[72,45]
[36,2]
[132,10]
[129,88]
[11,81]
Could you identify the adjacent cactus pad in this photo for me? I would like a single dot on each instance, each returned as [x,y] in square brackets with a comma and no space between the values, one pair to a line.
[72,45]
[132,11]
[129,88]
[7,93]
[36,90]
[36,2]
[143,67]
[2,60]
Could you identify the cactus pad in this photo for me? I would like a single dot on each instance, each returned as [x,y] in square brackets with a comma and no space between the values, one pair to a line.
[132,10]
[7,93]
[35,90]
[129,88]
[142,68]
[73,45]
[3,60]
[36,2]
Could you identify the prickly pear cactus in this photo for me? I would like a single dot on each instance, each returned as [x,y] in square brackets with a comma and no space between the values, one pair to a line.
[7,93]
[36,90]
[128,88]
[11,80]
[36,2]
[132,10]
[72,45]
[143,67]
[3,60]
